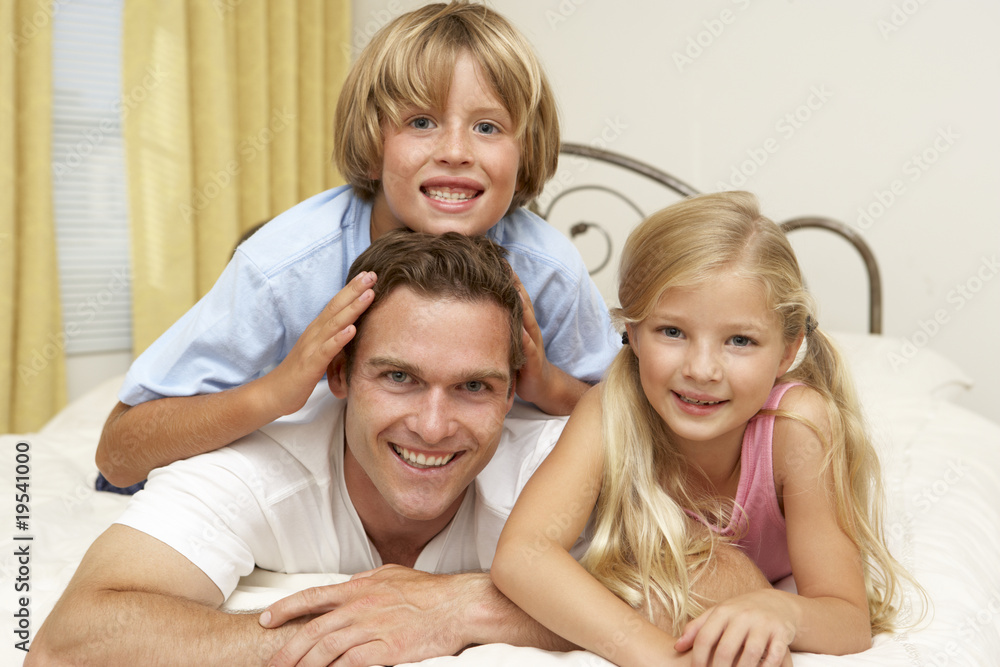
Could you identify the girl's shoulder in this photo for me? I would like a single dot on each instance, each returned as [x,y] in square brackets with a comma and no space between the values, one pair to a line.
[804,401]
[801,433]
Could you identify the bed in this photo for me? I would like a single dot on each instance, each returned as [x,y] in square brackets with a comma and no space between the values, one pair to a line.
[941,464]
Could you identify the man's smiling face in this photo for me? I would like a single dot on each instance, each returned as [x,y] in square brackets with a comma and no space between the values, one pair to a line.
[429,389]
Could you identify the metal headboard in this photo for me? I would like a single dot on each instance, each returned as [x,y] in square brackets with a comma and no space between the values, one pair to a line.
[680,187]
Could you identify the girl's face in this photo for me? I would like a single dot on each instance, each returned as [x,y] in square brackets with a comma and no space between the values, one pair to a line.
[452,169]
[708,358]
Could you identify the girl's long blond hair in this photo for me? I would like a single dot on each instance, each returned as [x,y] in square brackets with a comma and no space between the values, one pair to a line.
[644,548]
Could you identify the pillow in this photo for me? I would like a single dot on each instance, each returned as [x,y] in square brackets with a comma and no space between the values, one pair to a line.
[886,366]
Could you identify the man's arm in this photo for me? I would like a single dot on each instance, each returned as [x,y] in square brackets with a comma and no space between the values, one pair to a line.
[134,600]
[152,434]
[395,614]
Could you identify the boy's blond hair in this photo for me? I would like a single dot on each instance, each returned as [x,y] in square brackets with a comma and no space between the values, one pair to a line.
[411,60]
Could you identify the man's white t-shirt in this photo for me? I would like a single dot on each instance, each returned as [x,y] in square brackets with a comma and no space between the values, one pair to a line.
[277,499]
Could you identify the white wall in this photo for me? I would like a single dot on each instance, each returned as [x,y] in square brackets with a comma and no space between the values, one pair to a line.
[819,108]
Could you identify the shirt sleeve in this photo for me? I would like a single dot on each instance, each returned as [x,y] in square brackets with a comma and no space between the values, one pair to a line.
[207,508]
[231,336]
[573,317]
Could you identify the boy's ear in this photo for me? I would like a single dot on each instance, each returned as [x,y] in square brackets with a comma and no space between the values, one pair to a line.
[336,375]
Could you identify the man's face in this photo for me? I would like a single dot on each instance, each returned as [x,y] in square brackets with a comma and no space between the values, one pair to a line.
[429,389]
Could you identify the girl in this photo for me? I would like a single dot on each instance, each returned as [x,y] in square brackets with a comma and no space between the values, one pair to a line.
[702,420]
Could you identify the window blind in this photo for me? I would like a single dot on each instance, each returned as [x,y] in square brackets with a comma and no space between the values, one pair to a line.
[88,168]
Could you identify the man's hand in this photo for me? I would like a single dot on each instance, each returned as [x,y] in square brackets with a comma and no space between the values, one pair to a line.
[387,616]
[539,382]
[292,381]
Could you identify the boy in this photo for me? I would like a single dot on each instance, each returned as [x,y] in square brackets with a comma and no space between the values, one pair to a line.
[446,123]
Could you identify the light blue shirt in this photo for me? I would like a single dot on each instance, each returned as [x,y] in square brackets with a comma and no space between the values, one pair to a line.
[281,278]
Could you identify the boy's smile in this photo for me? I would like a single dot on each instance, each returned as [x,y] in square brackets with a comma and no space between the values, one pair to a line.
[452,169]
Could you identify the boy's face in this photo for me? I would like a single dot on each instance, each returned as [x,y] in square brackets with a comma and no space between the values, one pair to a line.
[449,170]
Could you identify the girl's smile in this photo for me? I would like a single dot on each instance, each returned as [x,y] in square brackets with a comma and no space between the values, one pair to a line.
[708,357]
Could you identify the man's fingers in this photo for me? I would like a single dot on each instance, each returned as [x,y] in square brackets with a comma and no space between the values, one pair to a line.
[320,641]
[318,600]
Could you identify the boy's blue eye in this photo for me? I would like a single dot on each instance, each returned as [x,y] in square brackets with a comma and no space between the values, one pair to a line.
[421,123]
[486,128]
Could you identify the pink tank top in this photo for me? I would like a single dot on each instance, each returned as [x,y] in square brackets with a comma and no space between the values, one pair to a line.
[760,527]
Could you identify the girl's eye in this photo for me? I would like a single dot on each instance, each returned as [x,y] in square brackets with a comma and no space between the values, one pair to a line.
[671,332]
[486,128]
[741,341]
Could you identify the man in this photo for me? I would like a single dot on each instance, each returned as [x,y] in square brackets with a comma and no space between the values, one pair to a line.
[403,474]
[381,472]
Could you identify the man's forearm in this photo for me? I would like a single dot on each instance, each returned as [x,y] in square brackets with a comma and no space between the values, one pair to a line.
[495,619]
[132,628]
[135,440]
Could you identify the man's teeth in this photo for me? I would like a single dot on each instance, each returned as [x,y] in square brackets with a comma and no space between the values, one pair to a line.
[694,402]
[422,461]
[447,195]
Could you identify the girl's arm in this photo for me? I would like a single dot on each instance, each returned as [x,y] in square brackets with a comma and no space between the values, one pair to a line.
[830,613]
[533,566]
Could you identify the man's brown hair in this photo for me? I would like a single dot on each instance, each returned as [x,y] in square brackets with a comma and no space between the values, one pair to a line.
[447,266]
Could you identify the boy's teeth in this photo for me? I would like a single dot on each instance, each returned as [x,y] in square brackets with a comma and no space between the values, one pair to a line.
[448,195]
[422,461]
[694,402]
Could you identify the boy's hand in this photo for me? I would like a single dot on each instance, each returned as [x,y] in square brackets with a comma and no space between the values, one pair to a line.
[290,383]
[539,382]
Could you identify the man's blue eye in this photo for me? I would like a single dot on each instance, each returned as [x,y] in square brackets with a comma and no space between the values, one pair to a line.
[475,386]
[397,376]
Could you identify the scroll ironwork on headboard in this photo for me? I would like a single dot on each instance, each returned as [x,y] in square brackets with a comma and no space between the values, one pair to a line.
[680,187]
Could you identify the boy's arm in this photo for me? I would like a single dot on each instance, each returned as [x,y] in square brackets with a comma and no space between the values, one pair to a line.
[152,606]
[138,438]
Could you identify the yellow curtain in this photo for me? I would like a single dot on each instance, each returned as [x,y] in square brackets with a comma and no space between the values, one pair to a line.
[32,343]
[228,114]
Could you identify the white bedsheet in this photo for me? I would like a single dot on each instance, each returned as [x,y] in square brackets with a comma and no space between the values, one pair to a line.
[942,472]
